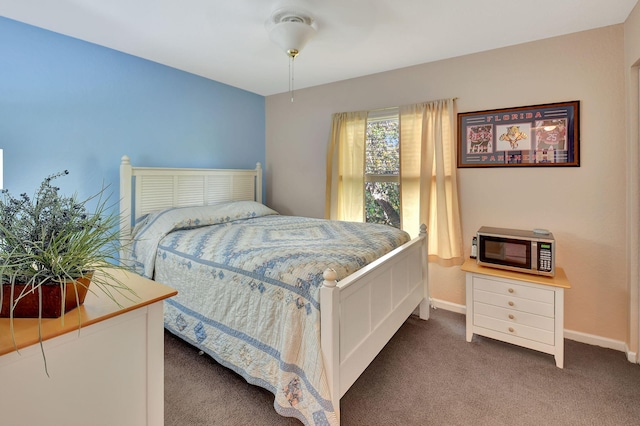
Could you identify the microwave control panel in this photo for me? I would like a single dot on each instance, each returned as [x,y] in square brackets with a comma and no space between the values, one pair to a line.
[545,257]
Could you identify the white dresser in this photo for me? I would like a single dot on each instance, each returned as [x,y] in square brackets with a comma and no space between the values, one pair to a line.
[110,372]
[518,308]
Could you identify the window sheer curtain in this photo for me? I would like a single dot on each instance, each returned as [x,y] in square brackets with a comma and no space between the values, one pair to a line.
[345,167]
[428,184]
[428,187]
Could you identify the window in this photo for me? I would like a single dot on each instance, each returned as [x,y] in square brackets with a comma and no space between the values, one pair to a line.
[382,169]
[364,158]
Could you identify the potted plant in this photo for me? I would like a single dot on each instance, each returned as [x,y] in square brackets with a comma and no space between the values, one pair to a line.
[50,247]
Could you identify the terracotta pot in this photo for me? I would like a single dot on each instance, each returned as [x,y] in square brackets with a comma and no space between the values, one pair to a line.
[27,307]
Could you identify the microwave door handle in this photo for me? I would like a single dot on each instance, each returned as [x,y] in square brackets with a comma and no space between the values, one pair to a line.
[534,255]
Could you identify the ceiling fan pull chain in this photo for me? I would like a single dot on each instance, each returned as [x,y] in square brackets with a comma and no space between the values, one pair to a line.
[291,72]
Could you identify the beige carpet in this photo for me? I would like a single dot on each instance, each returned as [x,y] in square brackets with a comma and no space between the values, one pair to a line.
[427,375]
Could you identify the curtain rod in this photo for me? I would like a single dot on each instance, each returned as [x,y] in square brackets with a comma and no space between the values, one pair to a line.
[396,107]
[382,109]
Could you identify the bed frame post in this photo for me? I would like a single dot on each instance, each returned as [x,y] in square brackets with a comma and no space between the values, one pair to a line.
[426,301]
[330,334]
[126,173]
[259,182]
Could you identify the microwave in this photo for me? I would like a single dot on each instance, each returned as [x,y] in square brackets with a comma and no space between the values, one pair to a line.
[532,252]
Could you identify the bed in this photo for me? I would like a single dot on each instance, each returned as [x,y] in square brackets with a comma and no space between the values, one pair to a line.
[303,321]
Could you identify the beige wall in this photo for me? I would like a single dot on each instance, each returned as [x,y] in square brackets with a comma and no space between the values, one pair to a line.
[585,207]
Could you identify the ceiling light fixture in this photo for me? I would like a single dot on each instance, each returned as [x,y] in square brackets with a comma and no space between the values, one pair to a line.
[290,29]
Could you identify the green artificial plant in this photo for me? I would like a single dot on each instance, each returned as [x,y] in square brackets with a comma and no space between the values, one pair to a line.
[51,239]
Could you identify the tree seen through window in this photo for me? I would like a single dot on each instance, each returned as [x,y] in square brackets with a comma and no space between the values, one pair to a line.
[382,171]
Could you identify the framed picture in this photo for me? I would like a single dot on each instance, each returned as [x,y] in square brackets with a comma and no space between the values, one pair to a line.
[539,135]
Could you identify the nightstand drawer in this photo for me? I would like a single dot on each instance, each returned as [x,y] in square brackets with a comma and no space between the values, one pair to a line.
[515,317]
[512,289]
[518,330]
[515,303]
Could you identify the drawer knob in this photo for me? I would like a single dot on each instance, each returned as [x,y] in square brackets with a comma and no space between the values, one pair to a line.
[510,290]
[511,316]
[511,329]
[511,303]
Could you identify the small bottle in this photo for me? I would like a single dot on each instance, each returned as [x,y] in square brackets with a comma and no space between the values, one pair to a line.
[474,248]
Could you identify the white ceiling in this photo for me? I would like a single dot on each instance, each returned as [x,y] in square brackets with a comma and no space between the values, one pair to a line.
[226,40]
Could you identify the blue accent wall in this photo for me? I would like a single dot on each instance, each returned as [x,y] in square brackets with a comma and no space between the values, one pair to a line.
[66,104]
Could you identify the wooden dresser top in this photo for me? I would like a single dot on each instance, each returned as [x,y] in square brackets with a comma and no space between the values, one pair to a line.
[559,280]
[97,307]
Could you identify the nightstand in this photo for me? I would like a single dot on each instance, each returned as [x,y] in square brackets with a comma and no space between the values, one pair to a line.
[518,308]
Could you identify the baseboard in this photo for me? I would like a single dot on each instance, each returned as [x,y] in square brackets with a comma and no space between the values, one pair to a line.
[448,306]
[591,339]
[577,336]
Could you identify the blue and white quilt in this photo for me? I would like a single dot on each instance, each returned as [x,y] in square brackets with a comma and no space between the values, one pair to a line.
[248,284]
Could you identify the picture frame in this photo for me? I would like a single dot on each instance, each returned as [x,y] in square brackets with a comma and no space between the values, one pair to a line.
[546,135]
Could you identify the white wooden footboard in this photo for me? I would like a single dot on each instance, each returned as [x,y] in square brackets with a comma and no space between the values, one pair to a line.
[362,312]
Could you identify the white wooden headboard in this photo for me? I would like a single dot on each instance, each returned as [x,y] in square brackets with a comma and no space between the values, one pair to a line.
[147,189]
